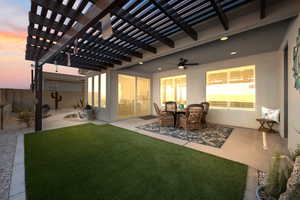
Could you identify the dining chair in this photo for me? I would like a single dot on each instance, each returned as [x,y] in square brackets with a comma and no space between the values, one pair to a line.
[205,113]
[192,118]
[164,118]
[170,106]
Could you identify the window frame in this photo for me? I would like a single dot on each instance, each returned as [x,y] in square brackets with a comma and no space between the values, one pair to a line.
[136,76]
[99,90]
[229,107]
[172,76]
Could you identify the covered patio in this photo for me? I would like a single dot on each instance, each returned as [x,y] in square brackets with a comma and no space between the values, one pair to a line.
[233,54]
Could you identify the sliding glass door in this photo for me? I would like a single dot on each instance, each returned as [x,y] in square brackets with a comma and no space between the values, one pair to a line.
[133,96]
[142,96]
[126,96]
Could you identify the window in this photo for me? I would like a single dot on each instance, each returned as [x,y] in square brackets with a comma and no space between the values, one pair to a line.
[90,90]
[173,89]
[96,90]
[231,88]
[103,90]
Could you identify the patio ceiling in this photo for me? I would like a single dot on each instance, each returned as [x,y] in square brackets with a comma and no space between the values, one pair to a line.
[137,25]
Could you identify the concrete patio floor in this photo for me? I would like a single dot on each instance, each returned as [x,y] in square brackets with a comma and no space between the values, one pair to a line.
[243,145]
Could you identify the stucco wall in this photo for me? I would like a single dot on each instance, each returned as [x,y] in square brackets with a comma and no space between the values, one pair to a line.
[293,94]
[267,93]
[19,99]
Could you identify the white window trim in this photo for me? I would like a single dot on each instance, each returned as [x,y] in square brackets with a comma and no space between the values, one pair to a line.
[99,91]
[231,108]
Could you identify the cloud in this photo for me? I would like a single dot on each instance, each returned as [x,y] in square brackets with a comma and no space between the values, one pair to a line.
[13,17]
[13,33]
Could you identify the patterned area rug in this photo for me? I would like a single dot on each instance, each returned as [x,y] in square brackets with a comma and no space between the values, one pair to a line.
[214,135]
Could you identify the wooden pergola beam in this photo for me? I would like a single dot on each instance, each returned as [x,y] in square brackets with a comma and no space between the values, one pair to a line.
[262,9]
[95,13]
[221,14]
[167,9]
[139,44]
[138,23]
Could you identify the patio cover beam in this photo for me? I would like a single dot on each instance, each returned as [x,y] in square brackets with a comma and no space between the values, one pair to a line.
[262,9]
[136,43]
[139,24]
[167,9]
[95,13]
[38,97]
[221,14]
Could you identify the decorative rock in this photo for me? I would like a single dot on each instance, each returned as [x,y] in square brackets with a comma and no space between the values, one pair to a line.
[293,186]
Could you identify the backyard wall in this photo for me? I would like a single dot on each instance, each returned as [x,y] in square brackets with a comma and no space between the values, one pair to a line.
[267,94]
[71,93]
[19,99]
[293,94]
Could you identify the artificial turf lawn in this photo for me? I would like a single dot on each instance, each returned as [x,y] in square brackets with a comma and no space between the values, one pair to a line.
[105,162]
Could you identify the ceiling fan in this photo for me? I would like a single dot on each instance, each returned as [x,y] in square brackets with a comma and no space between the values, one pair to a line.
[184,62]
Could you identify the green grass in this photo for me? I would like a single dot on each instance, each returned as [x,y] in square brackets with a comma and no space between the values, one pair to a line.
[91,162]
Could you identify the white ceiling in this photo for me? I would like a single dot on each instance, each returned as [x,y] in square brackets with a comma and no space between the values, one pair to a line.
[263,39]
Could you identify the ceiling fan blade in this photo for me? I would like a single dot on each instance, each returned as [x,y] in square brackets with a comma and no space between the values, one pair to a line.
[192,64]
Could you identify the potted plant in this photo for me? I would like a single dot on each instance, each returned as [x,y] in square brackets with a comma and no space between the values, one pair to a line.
[89,112]
[277,178]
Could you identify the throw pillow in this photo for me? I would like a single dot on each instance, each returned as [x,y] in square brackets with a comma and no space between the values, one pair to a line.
[271,114]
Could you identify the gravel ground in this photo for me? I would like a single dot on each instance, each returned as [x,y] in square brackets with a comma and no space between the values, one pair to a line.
[7,151]
[8,142]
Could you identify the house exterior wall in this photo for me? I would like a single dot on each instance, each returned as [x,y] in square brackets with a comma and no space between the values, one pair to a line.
[293,94]
[267,93]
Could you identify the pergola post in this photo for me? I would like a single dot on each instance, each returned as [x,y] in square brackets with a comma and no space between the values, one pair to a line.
[38,96]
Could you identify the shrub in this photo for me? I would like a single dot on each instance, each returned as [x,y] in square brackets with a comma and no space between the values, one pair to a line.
[296,153]
[25,117]
[277,177]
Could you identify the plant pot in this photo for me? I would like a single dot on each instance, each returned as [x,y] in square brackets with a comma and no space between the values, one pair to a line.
[89,114]
[259,191]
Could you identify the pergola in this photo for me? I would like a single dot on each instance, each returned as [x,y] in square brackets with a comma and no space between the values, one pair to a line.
[72,32]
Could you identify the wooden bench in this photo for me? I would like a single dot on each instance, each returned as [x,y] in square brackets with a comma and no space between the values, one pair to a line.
[269,123]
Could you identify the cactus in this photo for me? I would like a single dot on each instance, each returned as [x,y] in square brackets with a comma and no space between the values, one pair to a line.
[57,98]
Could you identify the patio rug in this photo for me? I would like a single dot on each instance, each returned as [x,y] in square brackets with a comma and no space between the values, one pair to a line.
[214,135]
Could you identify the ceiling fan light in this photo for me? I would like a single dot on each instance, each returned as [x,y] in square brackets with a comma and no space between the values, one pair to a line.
[224,38]
[181,67]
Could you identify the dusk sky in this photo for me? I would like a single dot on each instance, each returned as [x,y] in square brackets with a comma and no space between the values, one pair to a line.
[15,71]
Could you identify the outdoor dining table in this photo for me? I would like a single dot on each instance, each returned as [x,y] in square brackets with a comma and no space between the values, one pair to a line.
[176,113]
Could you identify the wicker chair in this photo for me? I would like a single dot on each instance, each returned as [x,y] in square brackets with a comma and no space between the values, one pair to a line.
[170,106]
[205,113]
[164,118]
[192,119]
